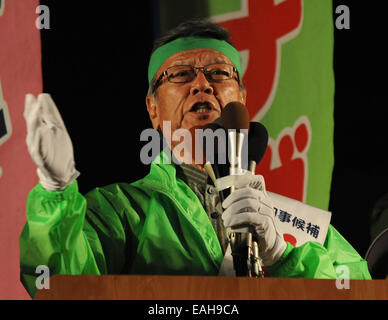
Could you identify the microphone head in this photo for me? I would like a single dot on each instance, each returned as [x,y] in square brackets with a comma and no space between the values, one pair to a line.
[257,141]
[235,116]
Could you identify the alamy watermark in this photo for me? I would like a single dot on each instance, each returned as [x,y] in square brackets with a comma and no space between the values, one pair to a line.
[43,21]
[343,20]
[343,276]
[43,280]
[202,145]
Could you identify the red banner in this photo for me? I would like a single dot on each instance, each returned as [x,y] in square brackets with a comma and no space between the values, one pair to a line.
[20,73]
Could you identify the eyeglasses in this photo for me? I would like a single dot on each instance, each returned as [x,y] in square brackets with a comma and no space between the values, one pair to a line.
[214,72]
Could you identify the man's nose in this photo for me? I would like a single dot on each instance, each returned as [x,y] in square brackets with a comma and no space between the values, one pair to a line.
[201,84]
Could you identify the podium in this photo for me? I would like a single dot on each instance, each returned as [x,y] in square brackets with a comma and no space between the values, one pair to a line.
[117,287]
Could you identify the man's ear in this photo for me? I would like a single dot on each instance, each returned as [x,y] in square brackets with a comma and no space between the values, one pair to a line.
[153,111]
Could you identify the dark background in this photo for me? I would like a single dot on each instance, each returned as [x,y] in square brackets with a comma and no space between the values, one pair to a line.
[95,66]
[360,135]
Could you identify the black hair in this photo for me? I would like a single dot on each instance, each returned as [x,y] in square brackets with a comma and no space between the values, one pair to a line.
[196,27]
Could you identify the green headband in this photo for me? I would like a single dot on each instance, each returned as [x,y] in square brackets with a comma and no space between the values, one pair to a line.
[188,43]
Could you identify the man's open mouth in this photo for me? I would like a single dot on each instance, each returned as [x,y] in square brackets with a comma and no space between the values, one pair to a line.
[201,107]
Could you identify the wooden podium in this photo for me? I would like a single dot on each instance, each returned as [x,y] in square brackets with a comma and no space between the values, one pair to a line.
[111,287]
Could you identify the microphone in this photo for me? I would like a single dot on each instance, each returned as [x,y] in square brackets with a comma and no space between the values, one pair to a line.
[235,118]
[257,144]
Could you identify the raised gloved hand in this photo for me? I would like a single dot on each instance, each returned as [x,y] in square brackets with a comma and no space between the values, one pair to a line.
[49,143]
[250,205]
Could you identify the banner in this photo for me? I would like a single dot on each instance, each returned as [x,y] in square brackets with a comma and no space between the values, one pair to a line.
[20,73]
[287,52]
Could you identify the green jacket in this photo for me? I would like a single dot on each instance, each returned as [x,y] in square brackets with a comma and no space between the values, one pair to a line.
[155,225]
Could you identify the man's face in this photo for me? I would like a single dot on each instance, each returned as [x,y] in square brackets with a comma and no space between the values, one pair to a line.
[179,102]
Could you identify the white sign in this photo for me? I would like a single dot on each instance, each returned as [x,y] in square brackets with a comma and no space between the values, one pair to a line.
[298,220]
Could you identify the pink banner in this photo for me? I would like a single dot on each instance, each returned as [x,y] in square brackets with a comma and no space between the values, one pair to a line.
[20,73]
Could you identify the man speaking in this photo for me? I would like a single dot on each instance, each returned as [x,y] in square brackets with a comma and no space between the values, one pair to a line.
[170,222]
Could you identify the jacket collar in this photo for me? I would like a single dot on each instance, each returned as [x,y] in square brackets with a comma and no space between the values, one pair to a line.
[163,172]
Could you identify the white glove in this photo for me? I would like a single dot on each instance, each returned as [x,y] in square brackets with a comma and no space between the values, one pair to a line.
[250,205]
[49,143]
